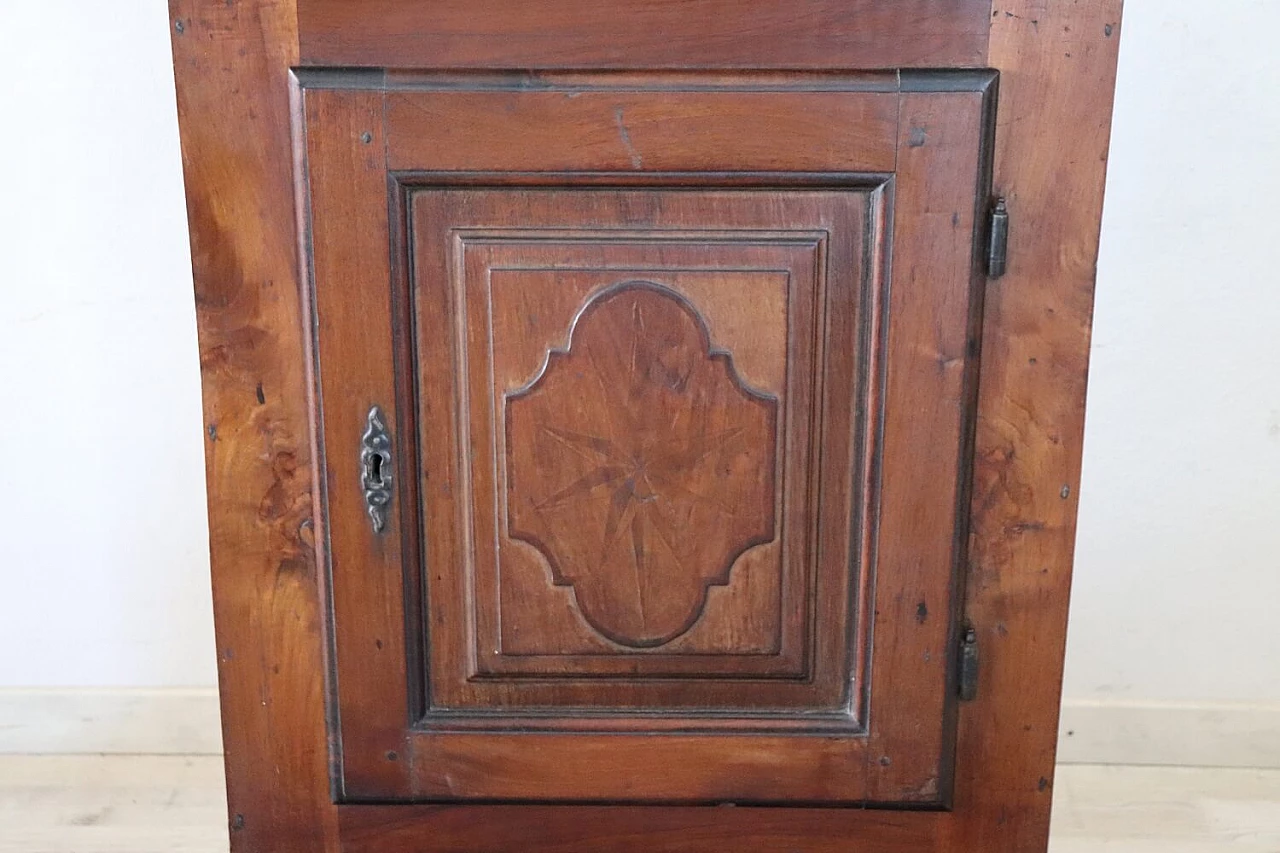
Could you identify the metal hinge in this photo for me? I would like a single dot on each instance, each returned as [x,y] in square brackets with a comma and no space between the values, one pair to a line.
[968,664]
[998,240]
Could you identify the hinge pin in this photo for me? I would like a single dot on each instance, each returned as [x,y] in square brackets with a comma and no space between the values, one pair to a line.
[998,240]
[969,665]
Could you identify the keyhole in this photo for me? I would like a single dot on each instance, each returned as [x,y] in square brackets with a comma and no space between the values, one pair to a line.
[375,468]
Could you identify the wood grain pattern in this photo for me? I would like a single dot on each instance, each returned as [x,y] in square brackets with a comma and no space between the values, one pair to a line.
[507,279]
[622,829]
[517,296]
[509,764]
[640,465]
[559,127]
[755,290]
[930,357]
[354,346]
[1056,92]
[232,63]
[644,33]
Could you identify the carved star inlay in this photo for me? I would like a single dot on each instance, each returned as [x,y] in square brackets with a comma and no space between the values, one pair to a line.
[640,465]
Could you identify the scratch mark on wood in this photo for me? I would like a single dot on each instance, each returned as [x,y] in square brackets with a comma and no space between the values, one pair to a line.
[619,116]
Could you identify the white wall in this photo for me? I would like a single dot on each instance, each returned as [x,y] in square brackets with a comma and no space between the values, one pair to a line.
[1177,585]
[102,543]
[103,565]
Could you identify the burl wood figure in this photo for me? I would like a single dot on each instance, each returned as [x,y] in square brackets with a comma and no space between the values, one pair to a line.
[618,412]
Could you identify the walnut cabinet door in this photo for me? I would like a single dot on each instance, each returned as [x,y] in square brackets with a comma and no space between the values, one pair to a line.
[644,405]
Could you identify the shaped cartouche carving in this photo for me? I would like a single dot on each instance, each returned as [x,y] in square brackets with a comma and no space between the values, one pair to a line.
[640,465]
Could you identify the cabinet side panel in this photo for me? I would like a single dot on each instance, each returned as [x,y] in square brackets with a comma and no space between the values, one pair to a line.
[1057,63]
[232,64]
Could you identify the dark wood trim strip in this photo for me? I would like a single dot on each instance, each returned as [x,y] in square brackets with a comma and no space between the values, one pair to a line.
[942,80]
[817,80]
[869,181]
[364,79]
[315,403]
[606,80]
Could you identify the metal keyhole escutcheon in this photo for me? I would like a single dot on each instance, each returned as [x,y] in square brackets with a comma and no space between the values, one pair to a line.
[375,468]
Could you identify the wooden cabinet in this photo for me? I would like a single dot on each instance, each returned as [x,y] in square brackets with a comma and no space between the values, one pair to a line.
[614,417]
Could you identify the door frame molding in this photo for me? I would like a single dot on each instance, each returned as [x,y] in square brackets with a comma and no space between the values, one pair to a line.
[237,97]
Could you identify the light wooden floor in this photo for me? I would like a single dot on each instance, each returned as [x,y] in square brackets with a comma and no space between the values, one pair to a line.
[167,804]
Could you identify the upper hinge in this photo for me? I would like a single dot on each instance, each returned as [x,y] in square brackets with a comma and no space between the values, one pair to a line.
[968,664]
[998,240]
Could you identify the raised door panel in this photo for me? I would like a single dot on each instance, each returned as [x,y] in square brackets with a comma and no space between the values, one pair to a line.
[640,397]
[644,445]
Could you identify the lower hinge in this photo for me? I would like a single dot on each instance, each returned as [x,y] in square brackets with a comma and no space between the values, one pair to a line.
[968,664]
[998,240]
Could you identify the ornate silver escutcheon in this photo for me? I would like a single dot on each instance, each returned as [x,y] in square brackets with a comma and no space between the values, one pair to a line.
[375,468]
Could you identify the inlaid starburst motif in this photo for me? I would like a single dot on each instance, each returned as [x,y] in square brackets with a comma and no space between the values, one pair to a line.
[640,465]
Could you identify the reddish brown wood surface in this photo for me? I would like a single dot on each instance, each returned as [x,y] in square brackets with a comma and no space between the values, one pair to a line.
[927,359]
[644,829]
[515,278]
[351,348]
[1057,62]
[624,130]
[756,289]
[640,466]
[232,66]
[644,33]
